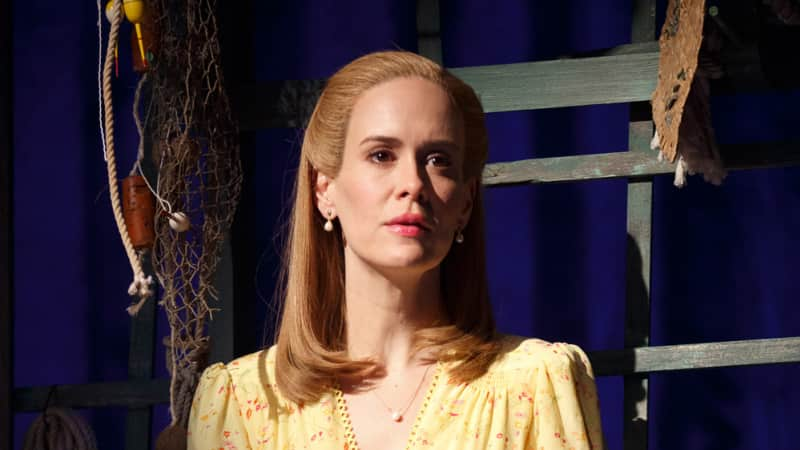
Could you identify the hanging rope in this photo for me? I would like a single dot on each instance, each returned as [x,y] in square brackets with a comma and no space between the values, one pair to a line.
[100,76]
[140,286]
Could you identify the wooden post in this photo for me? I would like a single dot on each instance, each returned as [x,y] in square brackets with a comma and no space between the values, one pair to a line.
[221,328]
[639,225]
[234,329]
[138,423]
[429,41]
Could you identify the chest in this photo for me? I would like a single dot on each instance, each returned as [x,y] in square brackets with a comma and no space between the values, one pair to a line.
[371,425]
[444,419]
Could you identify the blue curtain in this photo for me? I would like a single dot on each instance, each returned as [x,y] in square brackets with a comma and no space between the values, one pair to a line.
[724,258]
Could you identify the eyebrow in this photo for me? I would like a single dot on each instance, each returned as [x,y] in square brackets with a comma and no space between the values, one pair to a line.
[394,142]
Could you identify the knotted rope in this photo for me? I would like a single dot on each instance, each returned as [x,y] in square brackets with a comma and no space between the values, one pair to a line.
[59,428]
[141,284]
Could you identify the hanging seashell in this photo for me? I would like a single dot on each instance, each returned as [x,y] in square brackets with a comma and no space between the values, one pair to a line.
[179,222]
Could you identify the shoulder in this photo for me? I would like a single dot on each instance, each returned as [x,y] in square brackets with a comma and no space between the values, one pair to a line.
[249,376]
[520,357]
[555,381]
[229,404]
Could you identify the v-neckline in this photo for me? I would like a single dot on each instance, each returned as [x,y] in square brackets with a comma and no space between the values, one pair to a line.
[344,414]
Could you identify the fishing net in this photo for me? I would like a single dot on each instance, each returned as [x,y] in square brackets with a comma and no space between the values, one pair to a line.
[195,148]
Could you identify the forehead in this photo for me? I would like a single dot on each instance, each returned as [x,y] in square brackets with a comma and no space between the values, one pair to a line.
[407,108]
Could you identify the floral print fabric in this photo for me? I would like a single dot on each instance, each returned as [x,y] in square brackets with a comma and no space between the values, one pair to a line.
[537,395]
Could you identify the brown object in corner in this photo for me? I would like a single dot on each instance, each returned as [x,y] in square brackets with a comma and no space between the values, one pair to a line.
[139,210]
[172,438]
[679,43]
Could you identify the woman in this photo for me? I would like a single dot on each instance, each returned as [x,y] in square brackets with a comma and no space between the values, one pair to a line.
[387,339]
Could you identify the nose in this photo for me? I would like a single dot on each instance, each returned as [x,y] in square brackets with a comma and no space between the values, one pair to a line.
[412,179]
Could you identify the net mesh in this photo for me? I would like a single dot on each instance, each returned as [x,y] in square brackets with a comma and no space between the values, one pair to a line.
[196,150]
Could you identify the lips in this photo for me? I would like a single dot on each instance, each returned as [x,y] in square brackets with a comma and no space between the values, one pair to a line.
[411,220]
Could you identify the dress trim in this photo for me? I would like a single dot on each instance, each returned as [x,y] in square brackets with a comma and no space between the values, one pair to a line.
[350,436]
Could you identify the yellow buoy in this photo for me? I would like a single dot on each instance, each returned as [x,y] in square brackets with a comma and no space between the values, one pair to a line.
[134,11]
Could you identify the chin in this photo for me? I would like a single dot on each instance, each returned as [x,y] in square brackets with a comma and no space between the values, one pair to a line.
[407,257]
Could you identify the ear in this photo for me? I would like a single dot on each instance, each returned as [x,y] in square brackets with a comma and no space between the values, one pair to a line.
[322,188]
[466,211]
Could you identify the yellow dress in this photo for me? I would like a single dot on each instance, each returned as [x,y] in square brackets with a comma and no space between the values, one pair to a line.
[537,395]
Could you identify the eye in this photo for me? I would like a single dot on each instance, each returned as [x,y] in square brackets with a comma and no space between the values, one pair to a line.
[439,160]
[381,156]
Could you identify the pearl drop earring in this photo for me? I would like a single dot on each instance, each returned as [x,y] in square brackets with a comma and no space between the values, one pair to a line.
[328,224]
[459,237]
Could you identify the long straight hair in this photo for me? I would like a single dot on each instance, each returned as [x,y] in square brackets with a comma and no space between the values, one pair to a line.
[311,344]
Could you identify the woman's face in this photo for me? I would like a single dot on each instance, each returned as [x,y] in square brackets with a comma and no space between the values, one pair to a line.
[400,195]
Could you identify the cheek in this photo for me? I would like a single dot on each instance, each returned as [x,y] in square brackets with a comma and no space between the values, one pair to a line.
[453,197]
[358,199]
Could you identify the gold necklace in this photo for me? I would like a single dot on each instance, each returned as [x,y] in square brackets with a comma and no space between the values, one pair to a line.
[397,415]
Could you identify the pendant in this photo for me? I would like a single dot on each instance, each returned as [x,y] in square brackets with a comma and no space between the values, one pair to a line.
[396,416]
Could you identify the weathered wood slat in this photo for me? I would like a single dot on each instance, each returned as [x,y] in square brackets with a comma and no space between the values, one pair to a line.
[574,168]
[131,394]
[627,75]
[567,82]
[287,103]
[631,164]
[696,356]
[605,363]
[624,49]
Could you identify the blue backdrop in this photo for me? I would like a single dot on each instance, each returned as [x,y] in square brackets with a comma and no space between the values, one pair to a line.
[724,258]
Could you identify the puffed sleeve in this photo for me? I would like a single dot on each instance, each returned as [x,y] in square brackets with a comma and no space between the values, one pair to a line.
[215,420]
[566,408]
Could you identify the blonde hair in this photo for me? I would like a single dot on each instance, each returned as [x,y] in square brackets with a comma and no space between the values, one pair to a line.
[311,343]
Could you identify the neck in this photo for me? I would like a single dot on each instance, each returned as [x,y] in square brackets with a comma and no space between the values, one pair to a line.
[384,311]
